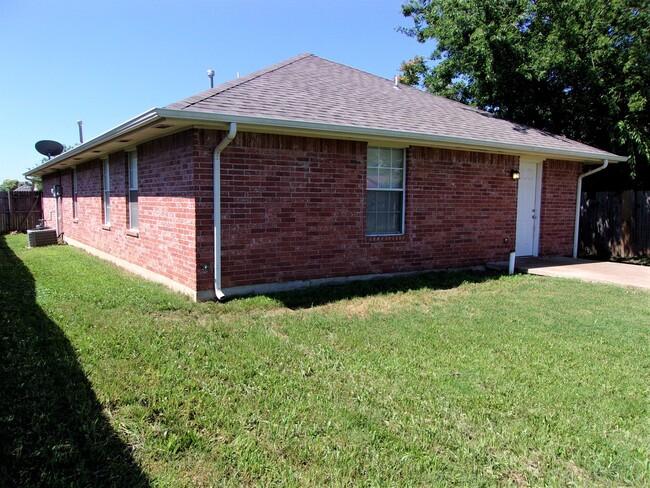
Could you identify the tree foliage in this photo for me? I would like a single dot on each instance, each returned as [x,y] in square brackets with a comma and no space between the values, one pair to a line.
[579,68]
[9,185]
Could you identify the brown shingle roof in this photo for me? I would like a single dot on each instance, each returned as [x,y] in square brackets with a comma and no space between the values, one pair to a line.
[309,95]
[311,89]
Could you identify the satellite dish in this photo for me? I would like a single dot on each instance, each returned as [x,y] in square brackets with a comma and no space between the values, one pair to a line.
[49,148]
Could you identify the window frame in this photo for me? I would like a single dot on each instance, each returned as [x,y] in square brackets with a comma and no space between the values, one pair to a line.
[132,206]
[106,192]
[402,229]
[75,190]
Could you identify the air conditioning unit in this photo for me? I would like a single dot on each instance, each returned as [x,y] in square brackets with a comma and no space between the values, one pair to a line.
[41,237]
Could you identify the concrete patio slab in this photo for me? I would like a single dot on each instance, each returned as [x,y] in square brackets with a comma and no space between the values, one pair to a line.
[586,270]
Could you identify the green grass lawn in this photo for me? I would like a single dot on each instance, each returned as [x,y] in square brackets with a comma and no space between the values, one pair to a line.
[443,379]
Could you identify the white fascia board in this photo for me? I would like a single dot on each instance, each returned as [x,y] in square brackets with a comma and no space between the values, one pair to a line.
[407,137]
[315,129]
[134,123]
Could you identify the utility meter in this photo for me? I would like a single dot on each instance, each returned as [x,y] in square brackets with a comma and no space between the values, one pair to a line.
[57,191]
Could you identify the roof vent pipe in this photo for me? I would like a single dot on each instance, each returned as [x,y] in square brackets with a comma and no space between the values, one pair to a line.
[396,82]
[216,205]
[211,76]
[81,131]
[576,229]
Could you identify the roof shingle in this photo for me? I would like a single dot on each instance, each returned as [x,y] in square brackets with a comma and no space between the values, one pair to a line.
[308,88]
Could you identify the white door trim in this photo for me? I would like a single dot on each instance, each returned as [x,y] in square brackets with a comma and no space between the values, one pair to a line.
[538,206]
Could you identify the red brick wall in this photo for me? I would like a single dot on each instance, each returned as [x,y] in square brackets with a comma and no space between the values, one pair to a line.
[205,142]
[559,184]
[166,241]
[293,208]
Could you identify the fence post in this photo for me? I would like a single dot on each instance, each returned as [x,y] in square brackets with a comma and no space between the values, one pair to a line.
[10,198]
[4,212]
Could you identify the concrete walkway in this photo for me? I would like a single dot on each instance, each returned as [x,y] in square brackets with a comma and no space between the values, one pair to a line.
[586,270]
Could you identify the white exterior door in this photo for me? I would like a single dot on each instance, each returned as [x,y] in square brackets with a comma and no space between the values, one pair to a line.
[528,200]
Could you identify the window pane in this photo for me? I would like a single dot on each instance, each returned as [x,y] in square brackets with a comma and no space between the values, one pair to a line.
[384,178]
[382,224]
[373,156]
[133,190]
[384,212]
[74,193]
[397,158]
[133,209]
[383,199]
[395,201]
[371,204]
[389,222]
[396,178]
[133,171]
[133,215]
[396,221]
[385,168]
[106,176]
[107,208]
[385,158]
[372,178]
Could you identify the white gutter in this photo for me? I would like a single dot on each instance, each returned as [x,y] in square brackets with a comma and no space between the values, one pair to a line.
[137,122]
[216,205]
[576,229]
[252,123]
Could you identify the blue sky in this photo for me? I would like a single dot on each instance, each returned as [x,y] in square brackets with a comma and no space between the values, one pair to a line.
[105,61]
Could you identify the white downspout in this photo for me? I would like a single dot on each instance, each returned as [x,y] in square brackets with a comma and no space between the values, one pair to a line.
[216,205]
[56,216]
[55,194]
[576,229]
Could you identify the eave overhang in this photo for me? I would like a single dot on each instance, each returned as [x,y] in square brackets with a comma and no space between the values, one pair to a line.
[159,122]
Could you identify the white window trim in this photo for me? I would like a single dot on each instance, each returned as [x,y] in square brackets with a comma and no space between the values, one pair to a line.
[403,190]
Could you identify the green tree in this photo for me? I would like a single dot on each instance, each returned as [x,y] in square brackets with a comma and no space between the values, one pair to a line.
[37,182]
[9,185]
[580,68]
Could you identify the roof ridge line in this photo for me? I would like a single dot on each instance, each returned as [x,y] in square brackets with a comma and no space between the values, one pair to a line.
[389,80]
[252,76]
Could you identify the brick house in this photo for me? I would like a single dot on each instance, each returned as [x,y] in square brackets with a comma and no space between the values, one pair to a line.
[316,172]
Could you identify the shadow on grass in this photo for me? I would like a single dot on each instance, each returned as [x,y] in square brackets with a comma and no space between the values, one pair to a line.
[52,429]
[439,280]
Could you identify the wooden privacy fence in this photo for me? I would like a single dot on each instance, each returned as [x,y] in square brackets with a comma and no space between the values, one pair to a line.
[615,224]
[19,211]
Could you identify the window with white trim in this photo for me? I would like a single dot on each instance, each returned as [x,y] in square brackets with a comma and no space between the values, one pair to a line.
[385,173]
[133,190]
[106,191]
[75,211]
